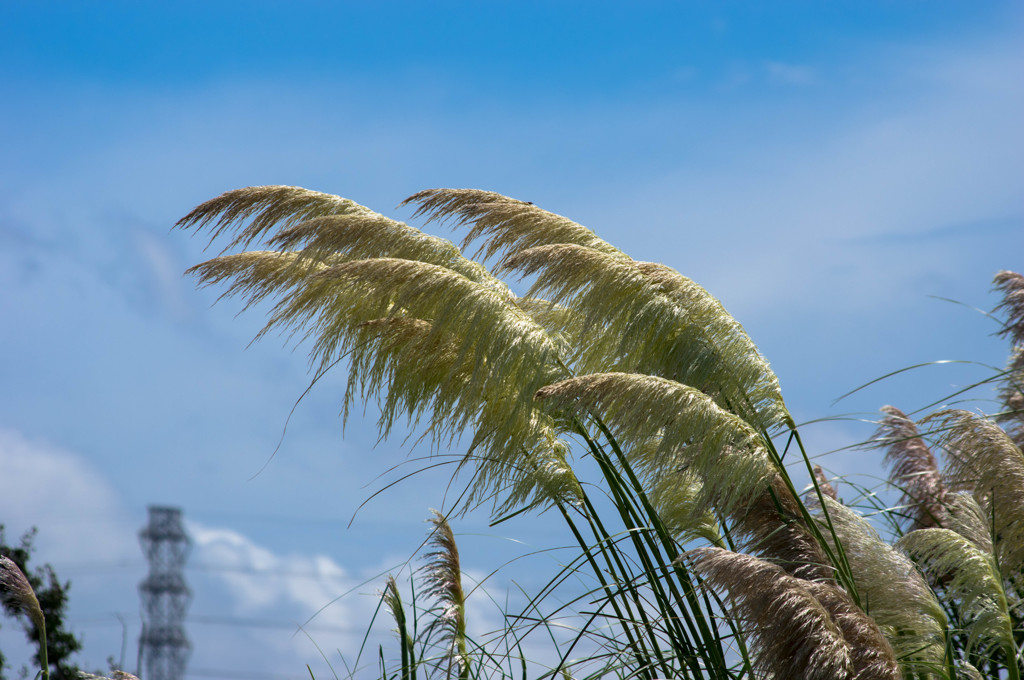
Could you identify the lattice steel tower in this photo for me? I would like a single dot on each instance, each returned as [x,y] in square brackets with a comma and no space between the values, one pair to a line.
[163,646]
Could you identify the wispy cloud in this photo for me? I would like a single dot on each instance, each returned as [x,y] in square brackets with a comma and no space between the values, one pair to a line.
[791,74]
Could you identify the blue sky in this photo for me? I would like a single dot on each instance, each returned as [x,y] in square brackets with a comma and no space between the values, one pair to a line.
[824,169]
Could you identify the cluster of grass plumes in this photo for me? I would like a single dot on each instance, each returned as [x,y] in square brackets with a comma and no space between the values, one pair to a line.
[622,397]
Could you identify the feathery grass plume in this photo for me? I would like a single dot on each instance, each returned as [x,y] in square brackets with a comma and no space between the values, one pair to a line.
[567,327]
[665,324]
[914,469]
[1011,284]
[872,656]
[421,373]
[257,274]
[505,224]
[962,560]
[443,580]
[676,331]
[666,427]
[968,518]
[672,425]
[771,525]
[982,458]
[676,495]
[15,589]
[322,227]
[763,394]
[792,633]
[539,479]
[895,594]
[505,345]
[362,236]
[264,207]
[500,355]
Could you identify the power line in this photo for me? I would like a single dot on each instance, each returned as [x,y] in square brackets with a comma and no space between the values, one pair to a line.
[270,623]
[244,675]
[256,571]
[230,621]
[86,568]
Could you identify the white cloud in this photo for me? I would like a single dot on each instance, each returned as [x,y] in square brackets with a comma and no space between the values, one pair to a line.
[76,508]
[260,580]
[278,608]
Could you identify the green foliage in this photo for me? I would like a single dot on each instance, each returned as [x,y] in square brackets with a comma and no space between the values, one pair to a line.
[622,396]
[52,596]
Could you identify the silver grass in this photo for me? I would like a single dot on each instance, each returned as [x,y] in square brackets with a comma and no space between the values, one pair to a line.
[539,478]
[322,227]
[263,208]
[420,373]
[360,236]
[665,324]
[793,635]
[504,223]
[676,496]
[872,656]
[968,518]
[442,575]
[982,458]
[760,384]
[914,469]
[893,592]
[1011,392]
[970,577]
[258,274]
[505,343]
[507,355]
[567,326]
[676,331]
[771,525]
[1011,284]
[15,589]
[667,425]
[506,348]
